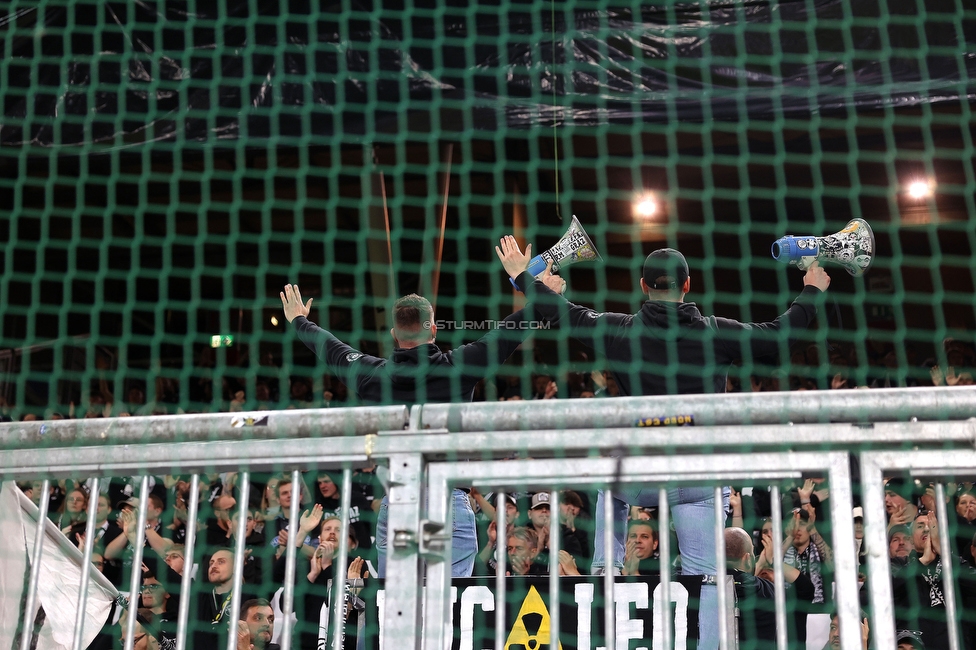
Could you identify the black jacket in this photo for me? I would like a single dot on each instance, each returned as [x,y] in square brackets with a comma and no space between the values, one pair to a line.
[420,374]
[919,599]
[669,347]
[755,600]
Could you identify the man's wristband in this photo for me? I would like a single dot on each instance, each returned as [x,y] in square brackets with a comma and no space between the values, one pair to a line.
[804,502]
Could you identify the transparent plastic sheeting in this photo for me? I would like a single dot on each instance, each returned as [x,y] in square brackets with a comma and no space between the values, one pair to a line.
[132,72]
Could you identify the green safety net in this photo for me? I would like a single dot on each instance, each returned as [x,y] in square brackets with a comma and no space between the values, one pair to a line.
[166,167]
[169,166]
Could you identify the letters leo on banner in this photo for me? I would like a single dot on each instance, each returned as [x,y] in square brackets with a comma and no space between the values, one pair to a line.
[529,613]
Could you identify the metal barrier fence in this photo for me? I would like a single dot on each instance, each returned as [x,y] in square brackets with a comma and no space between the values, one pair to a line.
[926,432]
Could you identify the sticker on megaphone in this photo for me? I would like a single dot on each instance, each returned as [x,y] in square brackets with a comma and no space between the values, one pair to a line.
[574,246]
[852,248]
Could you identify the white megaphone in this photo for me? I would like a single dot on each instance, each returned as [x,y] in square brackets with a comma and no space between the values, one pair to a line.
[574,246]
[852,248]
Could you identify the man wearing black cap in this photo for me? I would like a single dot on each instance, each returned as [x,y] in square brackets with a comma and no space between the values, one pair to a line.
[667,348]
[909,640]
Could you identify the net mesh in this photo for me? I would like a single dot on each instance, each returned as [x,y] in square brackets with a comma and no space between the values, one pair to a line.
[166,167]
[169,166]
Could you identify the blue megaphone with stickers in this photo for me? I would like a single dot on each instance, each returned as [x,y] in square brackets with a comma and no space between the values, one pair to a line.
[851,248]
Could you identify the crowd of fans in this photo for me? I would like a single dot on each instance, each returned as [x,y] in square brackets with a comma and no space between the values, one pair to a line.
[267,532]
[807,561]
[840,370]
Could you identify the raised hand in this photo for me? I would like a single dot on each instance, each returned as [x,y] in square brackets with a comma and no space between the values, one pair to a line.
[315,565]
[328,553]
[793,524]
[567,564]
[763,559]
[311,520]
[816,277]
[812,521]
[929,555]
[735,501]
[631,561]
[127,520]
[356,568]
[900,517]
[543,538]
[243,636]
[555,283]
[551,390]
[934,533]
[291,301]
[951,378]
[767,551]
[806,491]
[598,379]
[512,257]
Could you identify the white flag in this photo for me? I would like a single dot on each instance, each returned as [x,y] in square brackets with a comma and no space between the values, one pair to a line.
[59,583]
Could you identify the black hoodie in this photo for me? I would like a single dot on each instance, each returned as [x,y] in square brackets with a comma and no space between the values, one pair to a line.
[669,348]
[420,374]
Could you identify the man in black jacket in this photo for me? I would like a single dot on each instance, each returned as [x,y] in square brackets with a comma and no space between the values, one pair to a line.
[755,594]
[419,371]
[918,592]
[213,616]
[668,347]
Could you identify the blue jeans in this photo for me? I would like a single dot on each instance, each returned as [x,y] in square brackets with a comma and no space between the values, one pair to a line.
[464,541]
[693,513]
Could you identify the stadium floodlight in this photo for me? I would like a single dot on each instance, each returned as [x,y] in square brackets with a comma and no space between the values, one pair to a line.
[646,206]
[919,189]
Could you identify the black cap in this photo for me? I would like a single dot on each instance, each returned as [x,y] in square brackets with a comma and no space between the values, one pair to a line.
[665,263]
[912,636]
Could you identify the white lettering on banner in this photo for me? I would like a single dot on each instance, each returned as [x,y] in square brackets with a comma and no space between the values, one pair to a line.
[584,609]
[679,596]
[380,613]
[354,514]
[448,625]
[477,595]
[628,628]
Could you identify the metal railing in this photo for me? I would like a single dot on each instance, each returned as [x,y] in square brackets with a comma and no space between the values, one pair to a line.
[926,432]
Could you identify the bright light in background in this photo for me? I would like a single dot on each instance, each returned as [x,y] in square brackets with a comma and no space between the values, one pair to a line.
[274,321]
[919,190]
[646,206]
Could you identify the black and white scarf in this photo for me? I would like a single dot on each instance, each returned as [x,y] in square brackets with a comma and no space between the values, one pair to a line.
[932,575]
[808,562]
